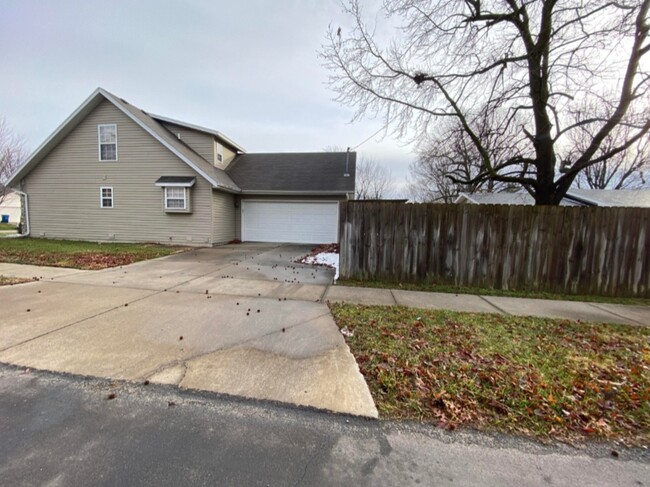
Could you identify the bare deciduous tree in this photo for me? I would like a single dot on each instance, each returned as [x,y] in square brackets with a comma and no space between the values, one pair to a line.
[373,181]
[623,170]
[530,62]
[12,154]
[443,163]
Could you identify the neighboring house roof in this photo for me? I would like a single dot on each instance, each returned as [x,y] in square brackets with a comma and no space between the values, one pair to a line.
[297,172]
[217,177]
[574,197]
[495,198]
[198,128]
[611,197]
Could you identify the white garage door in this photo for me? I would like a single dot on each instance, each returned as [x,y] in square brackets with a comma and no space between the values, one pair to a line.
[290,221]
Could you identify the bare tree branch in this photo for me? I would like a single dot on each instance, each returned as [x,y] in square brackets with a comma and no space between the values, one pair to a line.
[373,181]
[12,154]
[526,67]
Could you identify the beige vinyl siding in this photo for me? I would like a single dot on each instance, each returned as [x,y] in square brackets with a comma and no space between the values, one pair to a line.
[200,142]
[223,217]
[278,198]
[64,188]
[228,155]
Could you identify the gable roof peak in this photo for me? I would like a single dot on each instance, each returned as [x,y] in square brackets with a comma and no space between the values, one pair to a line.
[215,176]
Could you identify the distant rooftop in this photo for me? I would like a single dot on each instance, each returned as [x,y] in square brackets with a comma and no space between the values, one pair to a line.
[575,197]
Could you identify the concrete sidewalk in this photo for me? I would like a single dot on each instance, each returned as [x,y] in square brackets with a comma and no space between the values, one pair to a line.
[545,308]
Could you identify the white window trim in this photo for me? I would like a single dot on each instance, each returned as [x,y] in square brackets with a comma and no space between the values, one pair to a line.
[102,197]
[99,141]
[219,153]
[166,188]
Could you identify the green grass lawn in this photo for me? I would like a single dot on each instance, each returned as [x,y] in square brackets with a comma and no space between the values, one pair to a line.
[8,226]
[552,379]
[79,255]
[442,288]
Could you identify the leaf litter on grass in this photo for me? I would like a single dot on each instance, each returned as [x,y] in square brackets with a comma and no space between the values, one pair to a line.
[541,377]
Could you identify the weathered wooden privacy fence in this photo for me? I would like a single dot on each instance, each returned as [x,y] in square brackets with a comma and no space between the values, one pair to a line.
[578,250]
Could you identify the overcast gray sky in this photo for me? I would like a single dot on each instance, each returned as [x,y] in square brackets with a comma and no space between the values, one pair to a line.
[249,69]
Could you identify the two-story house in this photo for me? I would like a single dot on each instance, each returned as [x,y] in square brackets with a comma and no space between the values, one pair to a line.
[113,172]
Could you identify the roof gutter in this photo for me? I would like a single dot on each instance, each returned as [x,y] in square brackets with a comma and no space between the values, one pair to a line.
[295,193]
[581,199]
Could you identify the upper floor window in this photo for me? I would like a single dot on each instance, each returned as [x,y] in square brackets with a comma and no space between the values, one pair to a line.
[107,142]
[219,152]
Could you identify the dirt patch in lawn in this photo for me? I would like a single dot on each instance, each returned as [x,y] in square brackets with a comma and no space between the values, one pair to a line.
[79,255]
[553,379]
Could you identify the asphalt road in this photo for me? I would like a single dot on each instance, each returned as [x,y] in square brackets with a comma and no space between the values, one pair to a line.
[59,430]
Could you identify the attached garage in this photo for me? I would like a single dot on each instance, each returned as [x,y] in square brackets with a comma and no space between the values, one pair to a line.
[312,222]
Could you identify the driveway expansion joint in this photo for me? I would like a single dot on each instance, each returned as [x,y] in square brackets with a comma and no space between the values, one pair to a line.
[497,308]
[69,325]
[618,315]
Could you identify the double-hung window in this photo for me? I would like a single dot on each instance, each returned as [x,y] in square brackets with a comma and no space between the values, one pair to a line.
[176,193]
[106,197]
[107,135]
[175,198]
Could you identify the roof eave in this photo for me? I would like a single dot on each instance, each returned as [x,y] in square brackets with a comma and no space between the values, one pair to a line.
[216,133]
[84,109]
[262,192]
[56,137]
[581,199]
[178,154]
[464,197]
[227,189]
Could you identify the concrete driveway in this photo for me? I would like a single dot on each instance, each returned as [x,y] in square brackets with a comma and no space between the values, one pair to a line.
[241,319]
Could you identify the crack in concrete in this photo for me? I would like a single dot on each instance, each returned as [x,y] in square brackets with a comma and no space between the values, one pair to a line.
[184,361]
[316,454]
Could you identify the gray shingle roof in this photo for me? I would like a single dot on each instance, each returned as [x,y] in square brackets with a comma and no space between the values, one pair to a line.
[520,198]
[619,197]
[185,180]
[306,172]
[219,175]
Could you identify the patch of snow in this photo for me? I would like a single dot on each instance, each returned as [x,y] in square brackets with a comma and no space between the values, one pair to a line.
[346,332]
[329,259]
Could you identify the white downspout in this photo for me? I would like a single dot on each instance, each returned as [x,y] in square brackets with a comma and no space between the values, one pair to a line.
[25,233]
